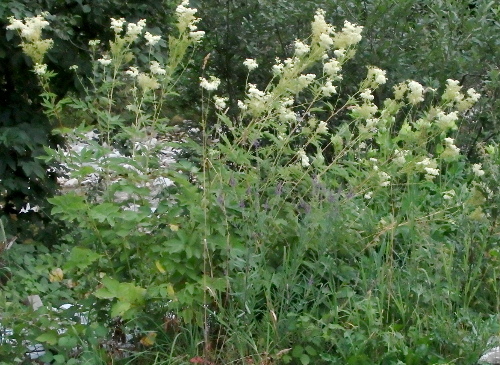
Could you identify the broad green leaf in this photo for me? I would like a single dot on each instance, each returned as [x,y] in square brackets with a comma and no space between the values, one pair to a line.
[50,337]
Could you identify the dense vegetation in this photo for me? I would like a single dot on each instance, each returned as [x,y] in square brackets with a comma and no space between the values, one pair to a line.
[332,198]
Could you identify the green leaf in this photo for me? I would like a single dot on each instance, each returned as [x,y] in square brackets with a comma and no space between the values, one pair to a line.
[118,309]
[50,337]
[81,258]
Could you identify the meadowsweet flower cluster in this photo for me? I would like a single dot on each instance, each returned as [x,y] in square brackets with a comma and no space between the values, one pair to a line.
[151,39]
[304,160]
[350,36]
[322,31]
[251,64]
[186,21]
[429,167]
[453,95]
[211,85]
[451,152]
[32,43]
[156,69]
[376,77]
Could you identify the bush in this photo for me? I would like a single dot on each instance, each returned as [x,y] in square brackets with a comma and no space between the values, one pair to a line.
[306,225]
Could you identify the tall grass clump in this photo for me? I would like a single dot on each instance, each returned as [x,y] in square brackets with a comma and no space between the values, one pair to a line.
[307,226]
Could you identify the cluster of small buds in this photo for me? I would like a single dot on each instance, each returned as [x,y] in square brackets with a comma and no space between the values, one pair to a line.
[429,167]
[322,31]
[31,28]
[400,156]
[301,48]
[416,92]
[156,69]
[220,102]
[304,160]
[449,195]
[40,69]
[376,77]
[104,60]
[211,85]
[332,68]
[147,82]
[132,71]
[117,25]
[477,169]
[278,67]
[31,33]
[451,152]
[134,30]
[446,122]
[366,95]
[350,35]
[251,64]
[328,89]
[186,20]
[453,94]
[151,39]
[322,128]
[384,178]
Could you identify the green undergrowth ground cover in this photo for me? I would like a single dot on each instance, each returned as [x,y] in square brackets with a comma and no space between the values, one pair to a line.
[306,224]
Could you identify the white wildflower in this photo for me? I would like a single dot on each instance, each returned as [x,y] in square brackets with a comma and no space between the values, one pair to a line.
[325,41]
[132,72]
[156,68]
[399,90]
[40,69]
[278,67]
[431,172]
[320,26]
[368,195]
[105,60]
[147,82]
[384,178]
[448,195]
[328,89]
[94,42]
[446,121]
[332,68]
[376,76]
[322,128]
[416,93]
[151,39]
[242,105]
[304,160]
[350,35]
[304,80]
[339,53]
[117,24]
[251,64]
[220,102]
[451,152]
[197,35]
[452,91]
[134,29]
[211,85]
[367,95]
[400,156]
[477,169]
[301,48]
